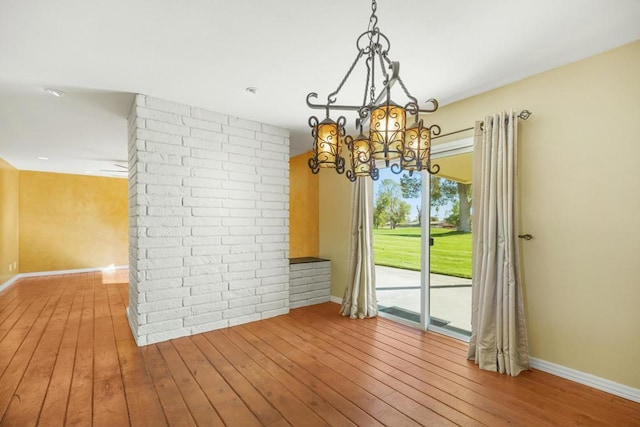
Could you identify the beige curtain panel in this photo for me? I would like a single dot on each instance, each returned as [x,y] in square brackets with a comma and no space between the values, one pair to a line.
[498,334]
[360,296]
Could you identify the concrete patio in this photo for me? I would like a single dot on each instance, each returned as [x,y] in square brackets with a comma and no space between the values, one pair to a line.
[450,296]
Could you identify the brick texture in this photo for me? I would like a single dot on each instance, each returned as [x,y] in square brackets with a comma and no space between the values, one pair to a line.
[208,220]
[309,283]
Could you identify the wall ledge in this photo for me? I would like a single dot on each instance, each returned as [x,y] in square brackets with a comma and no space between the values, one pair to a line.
[15,278]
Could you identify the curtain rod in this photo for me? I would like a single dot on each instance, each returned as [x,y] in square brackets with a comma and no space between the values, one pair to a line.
[524,115]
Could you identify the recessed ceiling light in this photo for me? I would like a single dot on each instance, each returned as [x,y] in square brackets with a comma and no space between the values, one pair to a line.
[252,90]
[42,158]
[55,92]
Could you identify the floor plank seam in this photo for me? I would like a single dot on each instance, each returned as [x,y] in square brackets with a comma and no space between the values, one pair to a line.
[346,343]
[57,355]
[67,356]
[331,385]
[35,348]
[382,372]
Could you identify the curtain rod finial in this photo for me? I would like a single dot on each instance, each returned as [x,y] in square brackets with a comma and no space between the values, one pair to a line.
[525,114]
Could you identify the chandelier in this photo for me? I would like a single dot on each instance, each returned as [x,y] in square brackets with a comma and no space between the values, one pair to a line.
[388,137]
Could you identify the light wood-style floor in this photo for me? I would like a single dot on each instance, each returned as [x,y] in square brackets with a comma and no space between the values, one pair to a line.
[67,357]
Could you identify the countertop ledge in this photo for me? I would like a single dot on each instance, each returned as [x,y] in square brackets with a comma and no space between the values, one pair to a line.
[304,260]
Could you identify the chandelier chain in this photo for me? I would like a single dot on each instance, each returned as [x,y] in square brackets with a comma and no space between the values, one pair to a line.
[373,32]
[372,88]
[373,20]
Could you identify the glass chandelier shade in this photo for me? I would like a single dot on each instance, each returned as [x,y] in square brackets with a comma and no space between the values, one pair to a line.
[416,148]
[327,144]
[387,128]
[361,154]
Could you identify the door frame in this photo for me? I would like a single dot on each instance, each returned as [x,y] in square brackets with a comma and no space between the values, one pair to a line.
[447,149]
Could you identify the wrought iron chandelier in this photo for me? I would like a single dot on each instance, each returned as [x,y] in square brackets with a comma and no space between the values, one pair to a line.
[389,137]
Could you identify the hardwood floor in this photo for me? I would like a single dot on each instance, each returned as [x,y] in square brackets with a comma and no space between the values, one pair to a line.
[67,357]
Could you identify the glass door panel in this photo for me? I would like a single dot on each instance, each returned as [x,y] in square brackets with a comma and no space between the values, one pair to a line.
[417,282]
[450,255]
[397,243]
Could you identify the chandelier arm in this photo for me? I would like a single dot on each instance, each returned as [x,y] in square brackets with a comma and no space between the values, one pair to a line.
[406,92]
[433,102]
[395,66]
[358,108]
[341,107]
[392,80]
[397,74]
[332,96]
[368,81]
[312,105]
[383,58]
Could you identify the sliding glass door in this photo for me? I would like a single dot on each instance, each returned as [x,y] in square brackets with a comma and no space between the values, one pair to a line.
[450,281]
[397,242]
[422,243]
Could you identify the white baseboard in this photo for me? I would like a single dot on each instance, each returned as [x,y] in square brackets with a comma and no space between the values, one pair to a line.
[78,270]
[579,377]
[587,379]
[9,282]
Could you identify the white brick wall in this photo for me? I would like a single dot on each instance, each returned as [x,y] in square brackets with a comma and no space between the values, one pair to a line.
[208,220]
[309,283]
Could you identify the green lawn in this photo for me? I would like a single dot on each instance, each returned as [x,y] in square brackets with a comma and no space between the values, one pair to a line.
[450,253]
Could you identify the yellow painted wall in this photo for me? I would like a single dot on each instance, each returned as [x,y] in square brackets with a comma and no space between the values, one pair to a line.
[335,221]
[72,221]
[9,254]
[580,198]
[303,208]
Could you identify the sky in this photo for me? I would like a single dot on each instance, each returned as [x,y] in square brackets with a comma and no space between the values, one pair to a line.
[385,173]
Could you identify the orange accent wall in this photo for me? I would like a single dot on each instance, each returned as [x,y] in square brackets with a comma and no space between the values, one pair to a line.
[72,221]
[303,208]
[9,254]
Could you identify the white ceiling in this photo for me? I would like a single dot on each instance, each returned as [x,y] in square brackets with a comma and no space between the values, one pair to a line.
[206,52]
